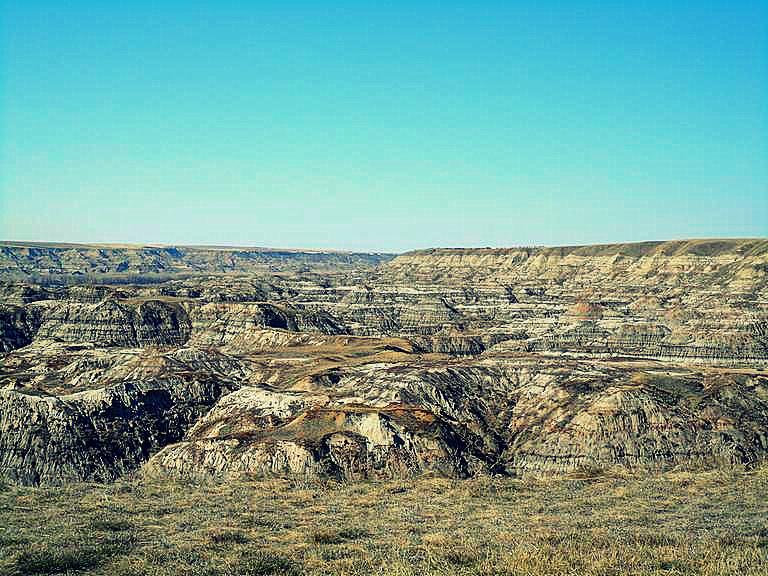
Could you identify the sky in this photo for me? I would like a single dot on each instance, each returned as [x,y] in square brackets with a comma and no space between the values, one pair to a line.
[382,126]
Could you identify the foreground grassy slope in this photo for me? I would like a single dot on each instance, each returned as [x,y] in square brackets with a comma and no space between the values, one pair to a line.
[676,523]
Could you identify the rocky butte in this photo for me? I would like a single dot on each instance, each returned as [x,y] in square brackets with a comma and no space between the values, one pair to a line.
[222,361]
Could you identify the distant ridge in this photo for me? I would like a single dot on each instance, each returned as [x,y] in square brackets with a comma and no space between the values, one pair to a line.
[50,259]
[214,247]
[701,246]
[106,262]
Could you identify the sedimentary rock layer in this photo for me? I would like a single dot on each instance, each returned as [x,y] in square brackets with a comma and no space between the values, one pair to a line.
[459,362]
[98,434]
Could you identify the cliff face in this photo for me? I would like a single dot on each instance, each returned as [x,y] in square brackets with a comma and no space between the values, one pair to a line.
[96,435]
[110,323]
[460,362]
[735,264]
[696,300]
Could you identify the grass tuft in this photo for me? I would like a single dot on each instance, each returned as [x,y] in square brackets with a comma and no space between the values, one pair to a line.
[266,563]
[111,525]
[228,537]
[462,556]
[59,561]
[332,536]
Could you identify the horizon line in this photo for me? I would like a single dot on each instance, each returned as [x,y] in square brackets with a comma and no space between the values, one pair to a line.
[233,247]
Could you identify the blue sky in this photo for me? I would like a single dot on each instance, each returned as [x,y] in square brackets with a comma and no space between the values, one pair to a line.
[383,126]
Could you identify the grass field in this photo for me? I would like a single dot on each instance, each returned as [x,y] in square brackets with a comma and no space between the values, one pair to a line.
[675,523]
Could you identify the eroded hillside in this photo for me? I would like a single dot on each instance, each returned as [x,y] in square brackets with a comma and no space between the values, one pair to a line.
[461,362]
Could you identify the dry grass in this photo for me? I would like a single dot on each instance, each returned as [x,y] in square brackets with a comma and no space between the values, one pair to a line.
[675,523]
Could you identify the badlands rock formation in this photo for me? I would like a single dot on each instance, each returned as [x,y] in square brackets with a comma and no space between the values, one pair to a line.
[460,362]
[22,258]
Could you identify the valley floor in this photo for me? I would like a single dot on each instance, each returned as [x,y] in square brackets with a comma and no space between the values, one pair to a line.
[673,523]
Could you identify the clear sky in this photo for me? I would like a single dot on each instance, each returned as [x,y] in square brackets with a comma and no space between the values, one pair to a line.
[382,126]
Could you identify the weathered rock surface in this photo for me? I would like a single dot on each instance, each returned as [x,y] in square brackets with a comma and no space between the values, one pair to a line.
[110,323]
[98,434]
[693,300]
[262,432]
[454,361]
[244,325]
[500,416]
[18,327]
